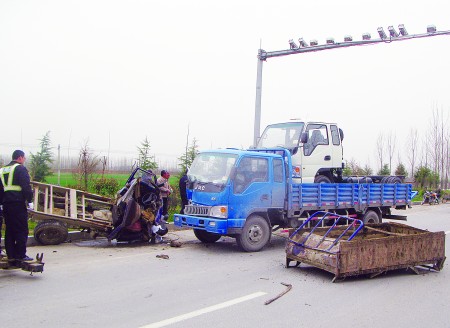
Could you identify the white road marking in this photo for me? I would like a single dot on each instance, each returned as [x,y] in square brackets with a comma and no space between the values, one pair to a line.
[208,309]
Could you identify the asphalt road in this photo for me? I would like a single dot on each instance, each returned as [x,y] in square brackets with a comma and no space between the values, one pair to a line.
[93,283]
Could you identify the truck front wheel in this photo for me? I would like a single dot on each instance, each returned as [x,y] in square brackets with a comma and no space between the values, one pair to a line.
[206,237]
[255,234]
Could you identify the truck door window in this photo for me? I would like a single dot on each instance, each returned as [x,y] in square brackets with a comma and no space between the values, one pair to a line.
[278,170]
[335,135]
[249,170]
[317,135]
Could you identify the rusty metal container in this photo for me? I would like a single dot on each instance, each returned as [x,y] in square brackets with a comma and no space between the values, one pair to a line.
[373,250]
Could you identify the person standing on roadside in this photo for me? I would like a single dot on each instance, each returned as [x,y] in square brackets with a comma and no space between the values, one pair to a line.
[183,194]
[1,223]
[15,195]
[166,190]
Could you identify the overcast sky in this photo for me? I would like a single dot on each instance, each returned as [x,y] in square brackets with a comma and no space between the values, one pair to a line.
[112,72]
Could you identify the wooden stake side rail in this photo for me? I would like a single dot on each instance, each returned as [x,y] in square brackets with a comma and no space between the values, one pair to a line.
[72,206]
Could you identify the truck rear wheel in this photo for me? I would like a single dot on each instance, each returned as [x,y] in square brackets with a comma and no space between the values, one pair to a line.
[322,179]
[371,217]
[255,234]
[50,232]
[206,237]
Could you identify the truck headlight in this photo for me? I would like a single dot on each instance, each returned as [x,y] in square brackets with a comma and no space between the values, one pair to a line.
[219,212]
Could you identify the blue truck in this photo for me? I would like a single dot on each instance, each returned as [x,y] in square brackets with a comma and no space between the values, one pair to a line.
[246,194]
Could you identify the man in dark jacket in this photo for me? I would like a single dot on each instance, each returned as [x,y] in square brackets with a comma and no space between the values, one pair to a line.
[1,222]
[15,195]
[182,185]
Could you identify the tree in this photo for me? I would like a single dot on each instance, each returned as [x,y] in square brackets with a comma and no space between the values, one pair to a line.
[87,163]
[41,161]
[426,178]
[354,168]
[347,171]
[385,170]
[412,146]
[390,145]
[401,170]
[367,170]
[145,160]
[380,149]
[188,157]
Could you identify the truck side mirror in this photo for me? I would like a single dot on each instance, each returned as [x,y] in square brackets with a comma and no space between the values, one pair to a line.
[304,137]
[341,134]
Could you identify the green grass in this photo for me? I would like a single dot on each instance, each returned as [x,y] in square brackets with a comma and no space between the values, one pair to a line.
[68,179]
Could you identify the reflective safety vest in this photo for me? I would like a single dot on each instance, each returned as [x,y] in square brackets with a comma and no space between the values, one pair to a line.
[9,170]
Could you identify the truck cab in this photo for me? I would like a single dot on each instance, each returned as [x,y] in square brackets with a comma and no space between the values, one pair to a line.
[316,148]
[235,193]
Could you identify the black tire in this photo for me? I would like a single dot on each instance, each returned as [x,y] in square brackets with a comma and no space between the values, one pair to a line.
[206,237]
[391,179]
[371,217]
[322,179]
[395,179]
[255,234]
[50,233]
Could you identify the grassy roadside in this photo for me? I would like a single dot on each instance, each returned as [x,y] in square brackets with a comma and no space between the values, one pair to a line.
[68,179]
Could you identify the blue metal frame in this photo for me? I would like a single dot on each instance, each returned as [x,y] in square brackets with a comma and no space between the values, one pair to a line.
[327,215]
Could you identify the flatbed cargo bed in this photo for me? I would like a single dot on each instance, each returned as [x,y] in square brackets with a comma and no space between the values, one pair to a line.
[375,249]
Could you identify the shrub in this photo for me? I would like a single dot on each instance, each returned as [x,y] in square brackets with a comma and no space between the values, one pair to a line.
[104,186]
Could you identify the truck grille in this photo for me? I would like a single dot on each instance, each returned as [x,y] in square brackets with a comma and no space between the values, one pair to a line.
[197,210]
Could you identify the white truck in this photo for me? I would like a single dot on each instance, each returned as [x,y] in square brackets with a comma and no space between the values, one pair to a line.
[317,153]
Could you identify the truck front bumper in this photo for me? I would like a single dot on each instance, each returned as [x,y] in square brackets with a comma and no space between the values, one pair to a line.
[214,225]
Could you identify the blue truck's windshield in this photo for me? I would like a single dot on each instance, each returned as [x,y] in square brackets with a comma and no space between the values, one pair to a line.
[212,168]
[284,135]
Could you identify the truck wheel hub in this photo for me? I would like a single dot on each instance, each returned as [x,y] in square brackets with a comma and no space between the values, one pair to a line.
[255,233]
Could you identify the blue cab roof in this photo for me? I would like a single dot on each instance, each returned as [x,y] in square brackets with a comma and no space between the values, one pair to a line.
[241,152]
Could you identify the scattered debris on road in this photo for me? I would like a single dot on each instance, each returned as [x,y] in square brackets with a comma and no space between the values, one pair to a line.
[30,266]
[289,287]
[175,243]
[163,256]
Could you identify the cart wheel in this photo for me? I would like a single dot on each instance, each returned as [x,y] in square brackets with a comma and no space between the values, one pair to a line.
[50,233]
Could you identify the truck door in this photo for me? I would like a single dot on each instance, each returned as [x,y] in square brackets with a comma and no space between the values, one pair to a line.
[251,188]
[279,184]
[336,146]
[316,151]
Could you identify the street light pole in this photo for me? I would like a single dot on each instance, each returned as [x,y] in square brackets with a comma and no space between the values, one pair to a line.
[258,98]
[330,44]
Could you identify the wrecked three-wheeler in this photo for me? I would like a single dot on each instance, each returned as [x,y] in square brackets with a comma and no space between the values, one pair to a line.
[134,215]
